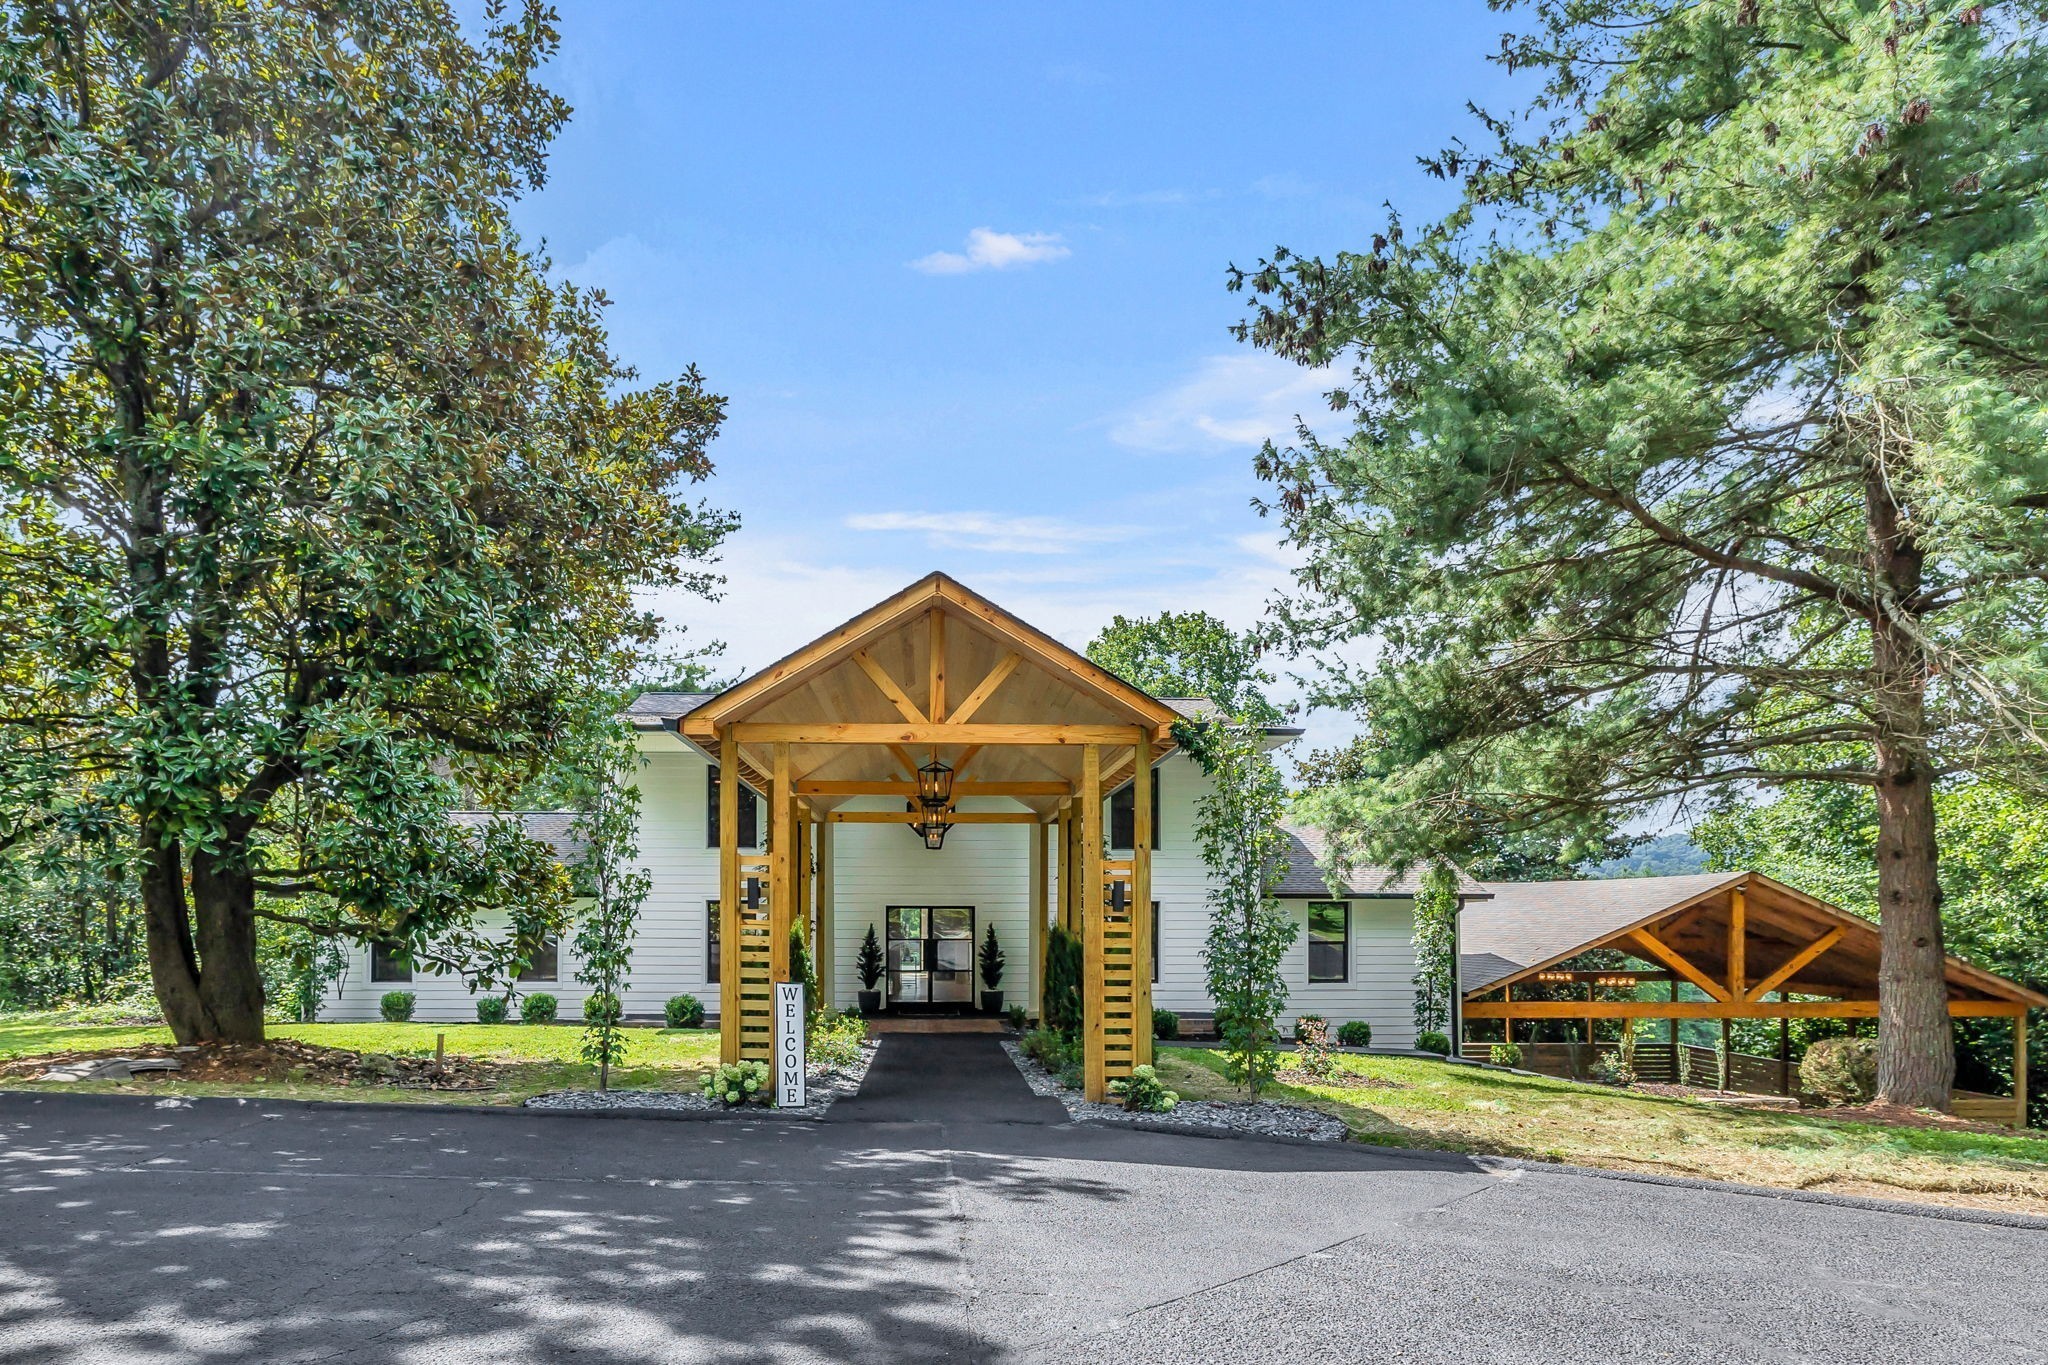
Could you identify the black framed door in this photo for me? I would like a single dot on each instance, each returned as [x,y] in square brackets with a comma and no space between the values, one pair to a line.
[931,954]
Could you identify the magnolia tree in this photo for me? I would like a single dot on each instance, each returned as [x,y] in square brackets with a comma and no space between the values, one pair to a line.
[1703,442]
[1237,825]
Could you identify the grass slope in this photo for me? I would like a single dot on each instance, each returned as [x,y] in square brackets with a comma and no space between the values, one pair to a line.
[1416,1103]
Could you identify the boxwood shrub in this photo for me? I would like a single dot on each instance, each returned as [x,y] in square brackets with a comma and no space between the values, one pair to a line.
[683,1011]
[397,1006]
[491,1009]
[1355,1033]
[1429,1040]
[538,1008]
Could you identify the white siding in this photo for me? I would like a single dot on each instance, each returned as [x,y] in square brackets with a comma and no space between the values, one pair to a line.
[876,866]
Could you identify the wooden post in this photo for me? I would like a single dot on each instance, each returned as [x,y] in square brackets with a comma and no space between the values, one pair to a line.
[1784,1052]
[1507,1024]
[1067,897]
[729,897]
[827,945]
[1738,943]
[1035,899]
[2019,1069]
[781,865]
[1725,1063]
[1142,927]
[1088,875]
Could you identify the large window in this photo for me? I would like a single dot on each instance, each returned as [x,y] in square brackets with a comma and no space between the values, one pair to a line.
[389,962]
[1329,940]
[545,964]
[712,962]
[1123,815]
[750,812]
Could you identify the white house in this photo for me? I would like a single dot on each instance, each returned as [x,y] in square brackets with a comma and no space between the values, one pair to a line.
[847,722]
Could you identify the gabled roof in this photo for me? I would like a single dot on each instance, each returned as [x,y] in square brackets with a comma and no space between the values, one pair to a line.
[650,709]
[1307,875]
[1524,927]
[555,828]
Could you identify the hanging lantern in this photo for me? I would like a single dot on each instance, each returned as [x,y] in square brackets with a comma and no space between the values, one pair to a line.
[935,786]
[932,829]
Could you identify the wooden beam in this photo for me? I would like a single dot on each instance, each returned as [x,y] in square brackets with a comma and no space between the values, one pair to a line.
[1142,927]
[728,899]
[1716,1009]
[825,948]
[1794,963]
[960,764]
[857,732]
[958,817]
[985,689]
[937,620]
[909,789]
[1738,943]
[1035,897]
[890,688]
[1677,962]
[781,866]
[1094,1062]
[908,760]
[2019,1069]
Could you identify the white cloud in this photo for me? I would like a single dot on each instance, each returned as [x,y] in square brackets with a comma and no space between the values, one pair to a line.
[992,532]
[1233,400]
[988,249]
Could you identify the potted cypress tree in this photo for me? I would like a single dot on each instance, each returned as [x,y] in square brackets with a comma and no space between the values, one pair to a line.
[991,973]
[869,967]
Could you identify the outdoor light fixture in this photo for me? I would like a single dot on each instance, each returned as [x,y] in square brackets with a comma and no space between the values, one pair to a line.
[935,786]
[932,829]
[753,901]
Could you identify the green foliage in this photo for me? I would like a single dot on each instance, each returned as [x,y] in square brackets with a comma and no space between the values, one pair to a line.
[834,1039]
[1312,1057]
[868,964]
[397,1006]
[991,961]
[1840,1070]
[1355,1033]
[597,780]
[1143,1093]
[325,501]
[1431,1041]
[1237,825]
[683,1011]
[1062,981]
[1705,428]
[1015,1015]
[538,1008]
[602,1008]
[1188,654]
[1504,1054]
[1165,1024]
[492,1009]
[1436,948]
[803,968]
[1612,1069]
[1058,1052]
[735,1083]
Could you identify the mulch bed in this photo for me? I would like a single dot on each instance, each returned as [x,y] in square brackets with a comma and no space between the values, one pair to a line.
[281,1059]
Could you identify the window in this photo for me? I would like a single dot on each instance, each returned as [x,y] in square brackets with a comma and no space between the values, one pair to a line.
[712,962]
[750,812]
[1123,815]
[545,964]
[1329,940]
[389,962]
[1155,943]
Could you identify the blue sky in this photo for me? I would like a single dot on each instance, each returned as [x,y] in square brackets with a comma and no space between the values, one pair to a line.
[960,271]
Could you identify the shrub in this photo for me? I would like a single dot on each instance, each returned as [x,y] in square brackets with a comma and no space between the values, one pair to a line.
[603,1009]
[1505,1054]
[1429,1040]
[1165,1024]
[1355,1033]
[1614,1069]
[835,1039]
[1062,981]
[802,967]
[538,1008]
[683,1011]
[397,1006]
[868,966]
[1015,1014]
[737,1083]
[1840,1070]
[1312,1047]
[1142,1093]
[1048,1047]
[992,961]
[492,1009]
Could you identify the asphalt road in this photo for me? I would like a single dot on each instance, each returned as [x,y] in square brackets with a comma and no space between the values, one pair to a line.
[915,1229]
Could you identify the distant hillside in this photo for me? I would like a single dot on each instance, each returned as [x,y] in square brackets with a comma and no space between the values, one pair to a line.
[1667,855]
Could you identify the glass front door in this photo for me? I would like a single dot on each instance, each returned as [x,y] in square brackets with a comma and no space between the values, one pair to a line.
[931,954]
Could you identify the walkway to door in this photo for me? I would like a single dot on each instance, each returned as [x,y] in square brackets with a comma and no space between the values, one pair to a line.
[945,1078]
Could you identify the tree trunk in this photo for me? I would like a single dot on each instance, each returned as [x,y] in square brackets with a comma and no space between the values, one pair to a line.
[209,990]
[173,963]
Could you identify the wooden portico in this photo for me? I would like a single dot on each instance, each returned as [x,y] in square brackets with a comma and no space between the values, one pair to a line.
[938,674]
[1753,947]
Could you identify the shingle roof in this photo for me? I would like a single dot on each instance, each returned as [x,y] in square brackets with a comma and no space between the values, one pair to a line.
[1524,923]
[660,706]
[555,828]
[1306,876]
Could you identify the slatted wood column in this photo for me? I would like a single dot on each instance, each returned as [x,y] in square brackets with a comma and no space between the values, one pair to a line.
[1110,941]
[745,1005]
[1142,926]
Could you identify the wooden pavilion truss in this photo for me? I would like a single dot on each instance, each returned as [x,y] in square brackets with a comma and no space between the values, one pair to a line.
[938,673]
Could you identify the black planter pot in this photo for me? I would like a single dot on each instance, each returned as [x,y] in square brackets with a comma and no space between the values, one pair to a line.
[991,1002]
[870,1001]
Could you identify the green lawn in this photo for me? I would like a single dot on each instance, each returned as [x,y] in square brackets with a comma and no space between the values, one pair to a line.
[1467,1109]
[529,1058]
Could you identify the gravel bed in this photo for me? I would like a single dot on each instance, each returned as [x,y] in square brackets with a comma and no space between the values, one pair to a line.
[1262,1118]
[822,1086]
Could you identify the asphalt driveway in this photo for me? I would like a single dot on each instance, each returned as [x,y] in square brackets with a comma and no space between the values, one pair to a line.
[274,1232]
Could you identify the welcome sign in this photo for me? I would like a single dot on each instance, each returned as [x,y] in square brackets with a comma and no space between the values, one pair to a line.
[789,1044]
